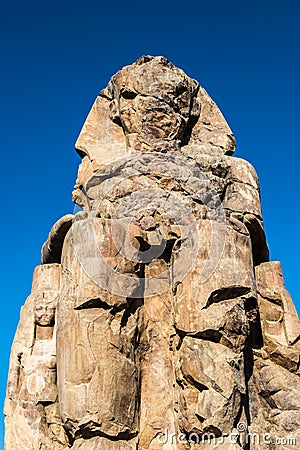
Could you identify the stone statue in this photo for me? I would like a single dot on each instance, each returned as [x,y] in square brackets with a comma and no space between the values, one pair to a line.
[32,401]
[169,328]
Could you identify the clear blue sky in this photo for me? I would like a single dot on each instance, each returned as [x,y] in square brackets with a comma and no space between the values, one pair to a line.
[56,56]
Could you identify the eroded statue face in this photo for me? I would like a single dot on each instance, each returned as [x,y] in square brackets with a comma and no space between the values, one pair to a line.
[153,101]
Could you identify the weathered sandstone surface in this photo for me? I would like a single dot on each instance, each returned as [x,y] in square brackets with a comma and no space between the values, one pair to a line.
[156,320]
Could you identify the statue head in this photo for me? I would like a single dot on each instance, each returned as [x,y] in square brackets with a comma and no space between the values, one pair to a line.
[150,106]
[154,102]
[44,309]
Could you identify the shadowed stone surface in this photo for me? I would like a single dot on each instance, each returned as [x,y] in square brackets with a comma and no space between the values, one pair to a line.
[156,320]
